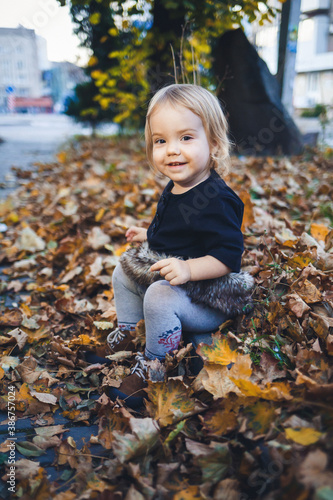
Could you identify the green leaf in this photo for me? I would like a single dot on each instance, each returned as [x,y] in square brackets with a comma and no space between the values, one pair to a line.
[75,388]
[29,449]
[325,493]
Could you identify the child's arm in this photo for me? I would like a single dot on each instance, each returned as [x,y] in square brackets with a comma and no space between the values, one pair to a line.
[135,233]
[178,272]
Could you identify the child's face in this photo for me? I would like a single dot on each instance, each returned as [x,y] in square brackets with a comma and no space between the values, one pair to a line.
[181,150]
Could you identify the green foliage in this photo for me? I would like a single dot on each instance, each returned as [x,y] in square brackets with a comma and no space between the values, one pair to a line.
[83,106]
[314,112]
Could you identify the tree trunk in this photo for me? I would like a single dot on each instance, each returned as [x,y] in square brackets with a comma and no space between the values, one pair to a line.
[167,29]
[259,123]
[287,51]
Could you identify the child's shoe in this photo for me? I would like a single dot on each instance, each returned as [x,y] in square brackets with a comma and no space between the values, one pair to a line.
[121,340]
[132,387]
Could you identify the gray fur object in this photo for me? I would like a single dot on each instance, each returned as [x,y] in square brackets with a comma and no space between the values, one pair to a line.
[230,293]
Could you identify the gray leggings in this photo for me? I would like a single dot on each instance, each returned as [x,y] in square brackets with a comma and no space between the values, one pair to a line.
[168,312]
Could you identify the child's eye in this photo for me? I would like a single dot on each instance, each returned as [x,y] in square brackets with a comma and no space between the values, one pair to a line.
[159,141]
[186,138]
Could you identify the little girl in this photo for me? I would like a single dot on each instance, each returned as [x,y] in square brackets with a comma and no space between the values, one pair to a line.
[173,279]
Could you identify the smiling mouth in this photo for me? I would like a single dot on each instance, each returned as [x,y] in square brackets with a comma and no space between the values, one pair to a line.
[176,164]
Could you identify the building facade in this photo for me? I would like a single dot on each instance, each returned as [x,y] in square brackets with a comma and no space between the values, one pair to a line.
[19,64]
[29,82]
[314,62]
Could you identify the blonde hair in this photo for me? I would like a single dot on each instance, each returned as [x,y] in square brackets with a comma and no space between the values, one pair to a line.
[205,105]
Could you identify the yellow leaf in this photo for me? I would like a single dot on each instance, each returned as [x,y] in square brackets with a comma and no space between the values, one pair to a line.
[247,387]
[300,260]
[218,352]
[273,392]
[170,402]
[100,214]
[12,217]
[2,373]
[319,231]
[95,18]
[242,367]
[215,380]
[303,435]
[96,73]
[260,416]
[276,391]
[93,61]
[121,249]
[62,156]
[113,31]
[190,493]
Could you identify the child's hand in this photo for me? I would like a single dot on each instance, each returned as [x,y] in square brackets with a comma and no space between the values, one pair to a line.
[135,233]
[174,270]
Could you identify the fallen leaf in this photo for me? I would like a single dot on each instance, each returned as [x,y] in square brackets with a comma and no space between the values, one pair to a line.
[213,459]
[170,402]
[30,241]
[26,468]
[218,352]
[313,470]
[11,317]
[144,437]
[319,231]
[303,435]
[29,449]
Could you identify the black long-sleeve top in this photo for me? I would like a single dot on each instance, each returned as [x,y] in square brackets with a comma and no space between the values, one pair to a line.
[205,220]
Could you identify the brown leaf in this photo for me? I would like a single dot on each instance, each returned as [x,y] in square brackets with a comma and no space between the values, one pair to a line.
[268,369]
[11,317]
[308,292]
[67,453]
[44,397]
[297,305]
[26,468]
[224,419]
[320,325]
[111,421]
[45,443]
[227,489]
[313,471]
[27,370]
[20,337]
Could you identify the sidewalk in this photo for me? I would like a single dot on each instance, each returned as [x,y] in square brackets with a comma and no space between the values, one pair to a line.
[312,126]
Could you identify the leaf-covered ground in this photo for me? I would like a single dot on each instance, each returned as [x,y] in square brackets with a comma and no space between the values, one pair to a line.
[256,422]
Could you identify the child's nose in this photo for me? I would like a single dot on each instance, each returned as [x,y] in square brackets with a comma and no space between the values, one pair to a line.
[173,148]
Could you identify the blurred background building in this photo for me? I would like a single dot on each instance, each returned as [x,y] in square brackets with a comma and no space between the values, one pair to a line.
[29,82]
[314,58]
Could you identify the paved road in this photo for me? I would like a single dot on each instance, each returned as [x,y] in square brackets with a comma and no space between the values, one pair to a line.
[33,138]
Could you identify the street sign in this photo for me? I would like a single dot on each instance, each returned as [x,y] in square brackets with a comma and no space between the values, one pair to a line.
[10,90]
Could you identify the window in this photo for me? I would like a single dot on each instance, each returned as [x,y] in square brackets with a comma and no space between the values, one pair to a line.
[313,82]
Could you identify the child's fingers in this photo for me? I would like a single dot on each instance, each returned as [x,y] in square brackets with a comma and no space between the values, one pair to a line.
[130,230]
[159,265]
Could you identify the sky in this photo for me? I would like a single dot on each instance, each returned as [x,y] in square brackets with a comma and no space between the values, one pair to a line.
[50,21]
